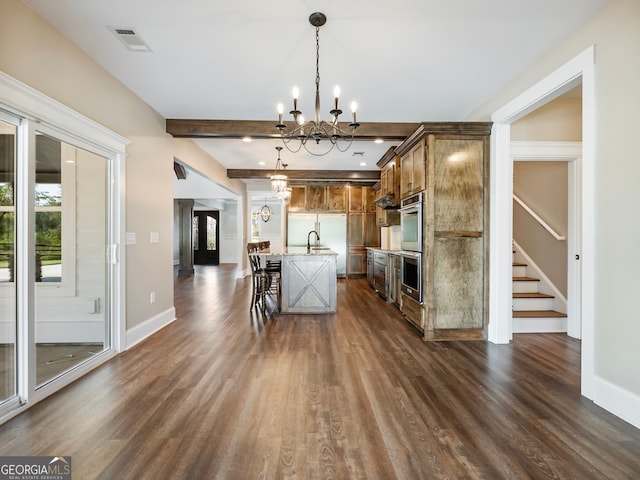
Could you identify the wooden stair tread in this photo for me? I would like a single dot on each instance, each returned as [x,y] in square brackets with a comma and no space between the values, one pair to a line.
[519,264]
[525,279]
[538,314]
[532,295]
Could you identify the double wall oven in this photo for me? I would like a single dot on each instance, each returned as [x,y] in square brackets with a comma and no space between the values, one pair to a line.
[411,245]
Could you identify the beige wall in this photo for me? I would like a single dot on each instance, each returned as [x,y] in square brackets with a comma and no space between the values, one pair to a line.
[558,121]
[39,56]
[615,32]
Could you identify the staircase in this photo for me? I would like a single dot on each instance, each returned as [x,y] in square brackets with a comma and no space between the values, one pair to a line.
[533,311]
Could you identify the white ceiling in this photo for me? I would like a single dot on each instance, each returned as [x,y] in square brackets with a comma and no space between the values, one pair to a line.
[401,61]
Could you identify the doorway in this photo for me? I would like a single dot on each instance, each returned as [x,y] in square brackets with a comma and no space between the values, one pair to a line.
[565,156]
[206,237]
[579,70]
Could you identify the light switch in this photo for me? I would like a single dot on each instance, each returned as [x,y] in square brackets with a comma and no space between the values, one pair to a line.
[154,237]
[130,238]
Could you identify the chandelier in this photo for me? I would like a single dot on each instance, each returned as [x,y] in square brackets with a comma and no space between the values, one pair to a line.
[265,213]
[316,130]
[279,179]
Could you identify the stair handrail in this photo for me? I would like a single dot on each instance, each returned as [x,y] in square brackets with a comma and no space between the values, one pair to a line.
[542,223]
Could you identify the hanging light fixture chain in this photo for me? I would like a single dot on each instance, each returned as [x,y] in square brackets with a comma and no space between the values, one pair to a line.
[317,58]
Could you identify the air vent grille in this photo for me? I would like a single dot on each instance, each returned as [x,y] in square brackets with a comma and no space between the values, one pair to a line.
[130,39]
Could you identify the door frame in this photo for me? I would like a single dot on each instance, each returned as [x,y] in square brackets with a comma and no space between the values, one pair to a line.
[579,70]
[571,153]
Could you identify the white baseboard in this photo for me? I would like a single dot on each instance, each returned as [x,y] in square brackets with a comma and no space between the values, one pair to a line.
[622,403]
[147,328]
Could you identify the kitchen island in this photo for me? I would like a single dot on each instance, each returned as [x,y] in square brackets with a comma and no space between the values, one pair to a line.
[309,279]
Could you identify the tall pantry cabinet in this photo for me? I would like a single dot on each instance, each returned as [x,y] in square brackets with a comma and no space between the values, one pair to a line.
[455,226]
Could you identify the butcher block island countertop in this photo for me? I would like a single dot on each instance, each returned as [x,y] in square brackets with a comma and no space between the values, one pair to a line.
[308,279]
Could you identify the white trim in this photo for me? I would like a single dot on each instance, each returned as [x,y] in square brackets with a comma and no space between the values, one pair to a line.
[501,232]
[620,402]
[147,328]
[570,152]
[545,151]
[40,108]
[579,70]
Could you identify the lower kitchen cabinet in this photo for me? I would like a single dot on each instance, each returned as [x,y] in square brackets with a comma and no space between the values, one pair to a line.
[412,311]
[394,266]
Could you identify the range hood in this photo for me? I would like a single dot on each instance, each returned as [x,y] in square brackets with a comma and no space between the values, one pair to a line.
[387,201]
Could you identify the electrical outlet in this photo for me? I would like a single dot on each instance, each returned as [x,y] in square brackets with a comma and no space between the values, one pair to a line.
[152,297]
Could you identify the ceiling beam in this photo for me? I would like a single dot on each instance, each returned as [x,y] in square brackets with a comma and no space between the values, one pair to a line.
[309,175]
[267,129]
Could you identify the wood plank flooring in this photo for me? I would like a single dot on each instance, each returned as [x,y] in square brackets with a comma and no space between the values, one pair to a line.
[225,393]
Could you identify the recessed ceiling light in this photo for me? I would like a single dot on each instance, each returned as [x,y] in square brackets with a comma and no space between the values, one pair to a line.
[363,164]
[378,140]
[246,139]
[261,163]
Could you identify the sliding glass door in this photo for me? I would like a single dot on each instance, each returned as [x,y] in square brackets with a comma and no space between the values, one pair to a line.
[61,305]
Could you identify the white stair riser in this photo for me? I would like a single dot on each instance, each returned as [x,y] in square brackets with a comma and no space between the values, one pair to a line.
[526,287]
[539,325]
[519,271]
[532,303]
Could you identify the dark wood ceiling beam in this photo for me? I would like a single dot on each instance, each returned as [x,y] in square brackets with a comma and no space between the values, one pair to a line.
[309,175]
[267,129]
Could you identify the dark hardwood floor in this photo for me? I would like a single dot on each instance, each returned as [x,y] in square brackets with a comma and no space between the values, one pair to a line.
[224,393]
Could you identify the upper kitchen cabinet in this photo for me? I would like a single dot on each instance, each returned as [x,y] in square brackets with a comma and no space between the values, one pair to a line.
[318,198]
[413,169]
[336,199]
[388,195]
[298,202]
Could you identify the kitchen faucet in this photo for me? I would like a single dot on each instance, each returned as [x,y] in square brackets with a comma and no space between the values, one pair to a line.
[308,239]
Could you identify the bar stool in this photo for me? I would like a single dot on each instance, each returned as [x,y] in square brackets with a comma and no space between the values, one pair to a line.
[264,280]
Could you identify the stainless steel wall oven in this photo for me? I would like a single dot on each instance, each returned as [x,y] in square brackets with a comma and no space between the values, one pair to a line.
[411,271]
[411,223]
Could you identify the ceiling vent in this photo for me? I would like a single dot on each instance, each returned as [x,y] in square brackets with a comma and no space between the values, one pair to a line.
[358,154]
[130,38]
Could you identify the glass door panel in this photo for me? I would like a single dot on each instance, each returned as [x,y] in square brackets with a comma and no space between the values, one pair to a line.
[8,319]
[71,235]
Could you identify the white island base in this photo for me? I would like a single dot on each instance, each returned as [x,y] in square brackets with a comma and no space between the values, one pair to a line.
[309,281]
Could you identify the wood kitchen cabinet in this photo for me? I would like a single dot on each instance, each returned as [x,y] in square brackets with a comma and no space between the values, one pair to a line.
[388,195]
[318,198]
[386,217]
[298,202]
[362,229]
[455,266]
[413,170]
[336,198]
